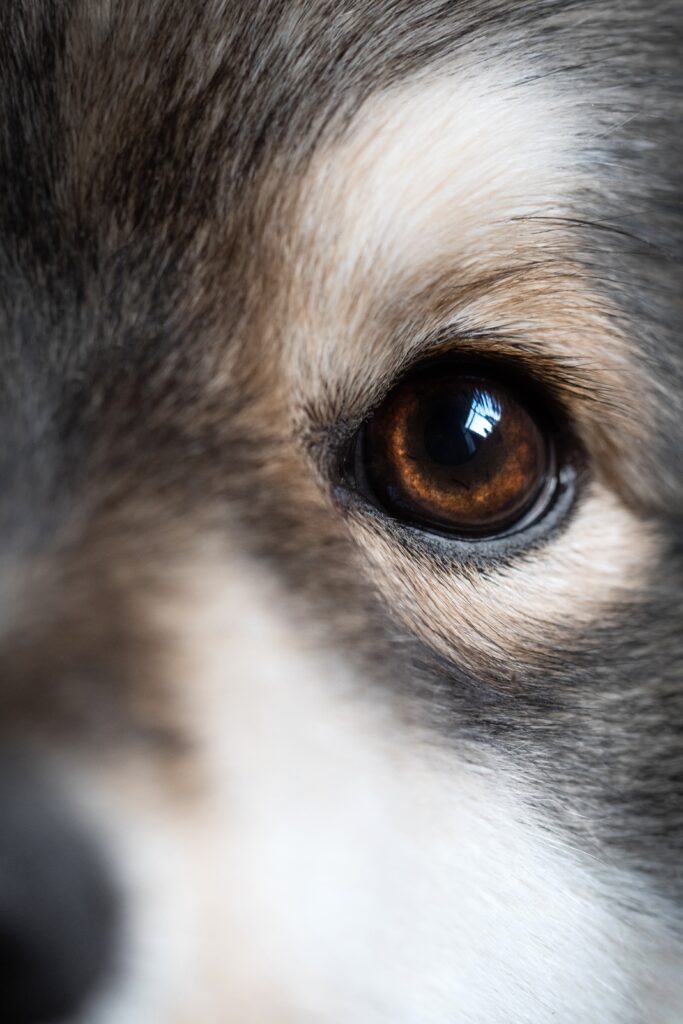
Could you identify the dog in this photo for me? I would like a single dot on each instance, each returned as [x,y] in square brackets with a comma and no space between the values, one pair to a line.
[342,491]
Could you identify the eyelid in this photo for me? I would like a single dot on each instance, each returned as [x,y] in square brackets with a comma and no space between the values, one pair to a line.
[519,360]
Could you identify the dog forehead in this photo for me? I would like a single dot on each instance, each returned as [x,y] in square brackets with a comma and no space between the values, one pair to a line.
[160,118]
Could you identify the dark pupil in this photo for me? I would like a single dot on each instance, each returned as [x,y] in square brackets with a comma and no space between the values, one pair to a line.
[456,426]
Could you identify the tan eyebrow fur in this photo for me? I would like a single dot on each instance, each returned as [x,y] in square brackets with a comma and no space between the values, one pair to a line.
[447,207]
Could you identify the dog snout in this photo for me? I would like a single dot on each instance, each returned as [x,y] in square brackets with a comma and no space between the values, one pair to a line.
[58,908]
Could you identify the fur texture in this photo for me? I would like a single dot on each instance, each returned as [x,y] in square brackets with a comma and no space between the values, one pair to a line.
[339,768]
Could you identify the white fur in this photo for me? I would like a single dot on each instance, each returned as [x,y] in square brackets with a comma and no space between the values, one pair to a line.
[433,176]
[324,862]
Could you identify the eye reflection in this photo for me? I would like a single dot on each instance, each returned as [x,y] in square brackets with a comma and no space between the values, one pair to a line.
[456,422]
[484,414]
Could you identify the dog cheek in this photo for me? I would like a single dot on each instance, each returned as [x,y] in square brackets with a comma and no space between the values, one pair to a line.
[313,858]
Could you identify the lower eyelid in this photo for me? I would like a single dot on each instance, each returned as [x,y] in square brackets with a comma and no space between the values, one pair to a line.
[455,552]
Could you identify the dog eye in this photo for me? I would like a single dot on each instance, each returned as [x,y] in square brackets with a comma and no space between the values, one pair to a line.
[457,451]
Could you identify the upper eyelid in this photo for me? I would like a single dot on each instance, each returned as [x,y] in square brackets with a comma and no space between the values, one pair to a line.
[498,352]
[523,356]
[569,382]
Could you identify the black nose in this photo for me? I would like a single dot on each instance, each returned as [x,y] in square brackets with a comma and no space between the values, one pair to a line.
[57,906]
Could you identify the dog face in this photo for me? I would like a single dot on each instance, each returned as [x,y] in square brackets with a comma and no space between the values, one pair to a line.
[341,512]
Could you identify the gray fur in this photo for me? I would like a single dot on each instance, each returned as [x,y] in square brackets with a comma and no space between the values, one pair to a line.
[134,222]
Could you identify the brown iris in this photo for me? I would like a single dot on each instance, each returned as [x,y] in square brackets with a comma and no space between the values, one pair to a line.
[456,450]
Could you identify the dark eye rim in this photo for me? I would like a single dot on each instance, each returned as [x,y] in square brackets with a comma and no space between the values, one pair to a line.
[556,499]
